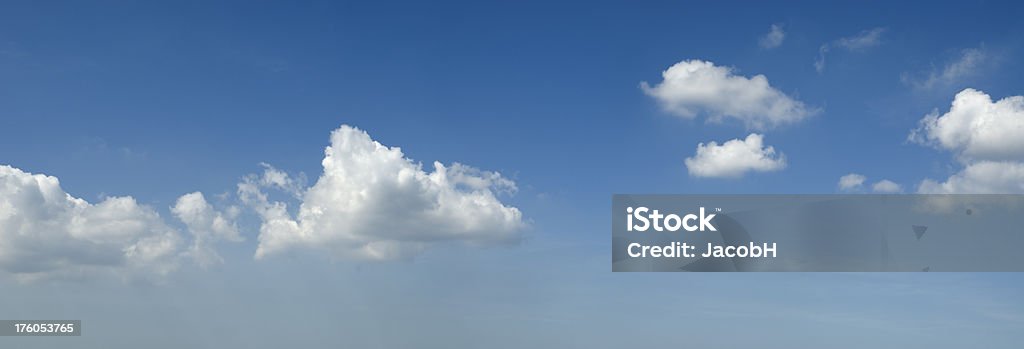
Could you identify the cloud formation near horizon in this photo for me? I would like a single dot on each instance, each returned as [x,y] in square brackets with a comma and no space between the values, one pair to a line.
[207,226]
[886,186]
[371,202]
[851,182]
[45,232]
[854,183]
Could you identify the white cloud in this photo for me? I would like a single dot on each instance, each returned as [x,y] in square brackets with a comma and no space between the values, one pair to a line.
[694,86]
[774,37]
[966,65]
[863,40]
[983,135]
[975,128]
[851,182]
[371,202]
[207,226]
[886,186]
[734,158]
[984,177]
[45,232]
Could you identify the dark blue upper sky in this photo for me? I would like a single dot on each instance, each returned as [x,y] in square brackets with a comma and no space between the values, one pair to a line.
[123,95]
[155,100]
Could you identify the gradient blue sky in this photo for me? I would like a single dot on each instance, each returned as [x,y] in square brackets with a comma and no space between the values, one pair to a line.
[158,100]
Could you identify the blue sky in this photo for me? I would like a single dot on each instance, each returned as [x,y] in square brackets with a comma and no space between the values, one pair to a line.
[154,101]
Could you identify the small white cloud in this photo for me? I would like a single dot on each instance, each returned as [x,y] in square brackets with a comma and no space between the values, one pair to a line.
[734,158]
[985,177]
[774,37]
[207,226]
[695,86]
[966,65]
[886,186]
[371,202]
[862,41]
[975,128]
[47,233]
[851,182]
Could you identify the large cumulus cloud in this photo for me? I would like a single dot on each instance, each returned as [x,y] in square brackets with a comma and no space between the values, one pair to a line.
[985,136]
[976,127]
[371,202]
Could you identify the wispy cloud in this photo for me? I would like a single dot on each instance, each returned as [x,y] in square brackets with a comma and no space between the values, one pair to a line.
[862,41]
[965,65]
